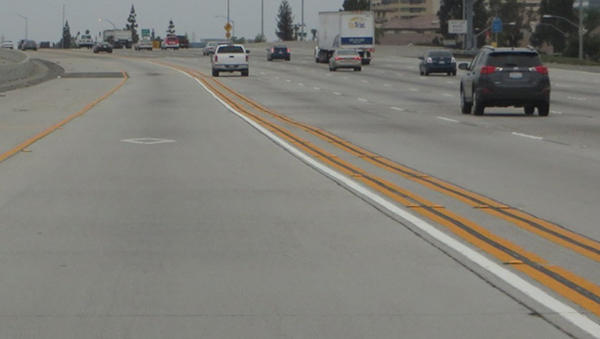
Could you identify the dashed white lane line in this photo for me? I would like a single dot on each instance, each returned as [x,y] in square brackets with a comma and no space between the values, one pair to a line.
[277,78]
[263,73]
[363,100]
[316,88]
[413,90]
[387,85]
[288,80]
[448,95]
[336,93]
[365,81]
[397,109]
[527,136]
[447,119]
[301,84]
[451,82]
[577,98]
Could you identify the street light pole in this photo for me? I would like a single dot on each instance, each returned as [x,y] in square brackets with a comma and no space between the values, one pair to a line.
[110,22]
[262,18]
[25,23]
[579,27]
[302,28]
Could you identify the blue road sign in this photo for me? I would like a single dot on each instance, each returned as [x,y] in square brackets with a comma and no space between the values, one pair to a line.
[497,25]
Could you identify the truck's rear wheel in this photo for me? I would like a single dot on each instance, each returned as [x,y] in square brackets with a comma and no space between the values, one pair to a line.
[245,73]
[215,73]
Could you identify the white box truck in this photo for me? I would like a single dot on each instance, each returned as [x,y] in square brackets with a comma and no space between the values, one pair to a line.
[353,30]
[119,38]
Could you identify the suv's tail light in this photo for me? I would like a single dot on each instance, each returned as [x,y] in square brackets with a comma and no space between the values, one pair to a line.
[272,50]
[487,69]
[541,69]
[288,50]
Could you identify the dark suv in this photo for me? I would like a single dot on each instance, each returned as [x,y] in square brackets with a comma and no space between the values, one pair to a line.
[505,77]
[278,52]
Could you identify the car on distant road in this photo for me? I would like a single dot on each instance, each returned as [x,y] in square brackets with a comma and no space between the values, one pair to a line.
[143,44]
[437,62]
[103,46]
[345,58]
[44,44]
[503,77]
[29,45]
[171,42]
[230,58]
[184,42]
[7,44]
[279,52]
[85,40]
[209,48]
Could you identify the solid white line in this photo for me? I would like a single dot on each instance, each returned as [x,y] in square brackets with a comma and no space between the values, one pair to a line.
[534,292]
[397,109]
[447,119]
[527,136]
[577,98]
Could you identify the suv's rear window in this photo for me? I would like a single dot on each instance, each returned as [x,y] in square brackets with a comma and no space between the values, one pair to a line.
[231,49]
[517,59]
[440,54]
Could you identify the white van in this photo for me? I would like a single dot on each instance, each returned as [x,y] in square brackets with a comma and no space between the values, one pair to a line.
[85,40]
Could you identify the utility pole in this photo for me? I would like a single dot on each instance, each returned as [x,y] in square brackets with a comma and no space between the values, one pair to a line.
[262,18]
[63,28]
[302,28]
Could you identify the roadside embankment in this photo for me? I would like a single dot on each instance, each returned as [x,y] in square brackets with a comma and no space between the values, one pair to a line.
[14,65]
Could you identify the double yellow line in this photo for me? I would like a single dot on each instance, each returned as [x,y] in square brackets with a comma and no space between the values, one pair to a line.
[569,285]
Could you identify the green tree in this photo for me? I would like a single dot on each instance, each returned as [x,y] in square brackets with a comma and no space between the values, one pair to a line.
[260,38]
[66,36]
[551,35]
[132,25]
[452,10]
[356,5]
[285,21]
[171,28]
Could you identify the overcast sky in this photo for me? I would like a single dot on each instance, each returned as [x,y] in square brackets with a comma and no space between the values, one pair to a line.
[197,18]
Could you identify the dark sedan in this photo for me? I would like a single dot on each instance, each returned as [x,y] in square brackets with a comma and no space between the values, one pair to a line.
[29,44]
[437,62]
[103,47]
[279,52]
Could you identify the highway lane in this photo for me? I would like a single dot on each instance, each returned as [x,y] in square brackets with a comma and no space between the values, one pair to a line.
[222,233]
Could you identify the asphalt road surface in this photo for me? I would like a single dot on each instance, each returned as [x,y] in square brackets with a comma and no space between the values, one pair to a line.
[142,198]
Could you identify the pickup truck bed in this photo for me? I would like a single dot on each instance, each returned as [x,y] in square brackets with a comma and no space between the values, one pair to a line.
[230,58]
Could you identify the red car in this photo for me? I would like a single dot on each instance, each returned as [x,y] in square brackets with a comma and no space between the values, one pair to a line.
[170,42]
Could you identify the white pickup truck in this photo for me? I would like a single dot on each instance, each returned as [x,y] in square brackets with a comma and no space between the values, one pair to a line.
[230,58]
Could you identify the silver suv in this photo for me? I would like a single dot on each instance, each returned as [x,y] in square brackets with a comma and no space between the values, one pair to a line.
[505,77]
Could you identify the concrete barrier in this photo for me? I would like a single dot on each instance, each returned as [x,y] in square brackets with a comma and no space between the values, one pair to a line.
[14,65]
